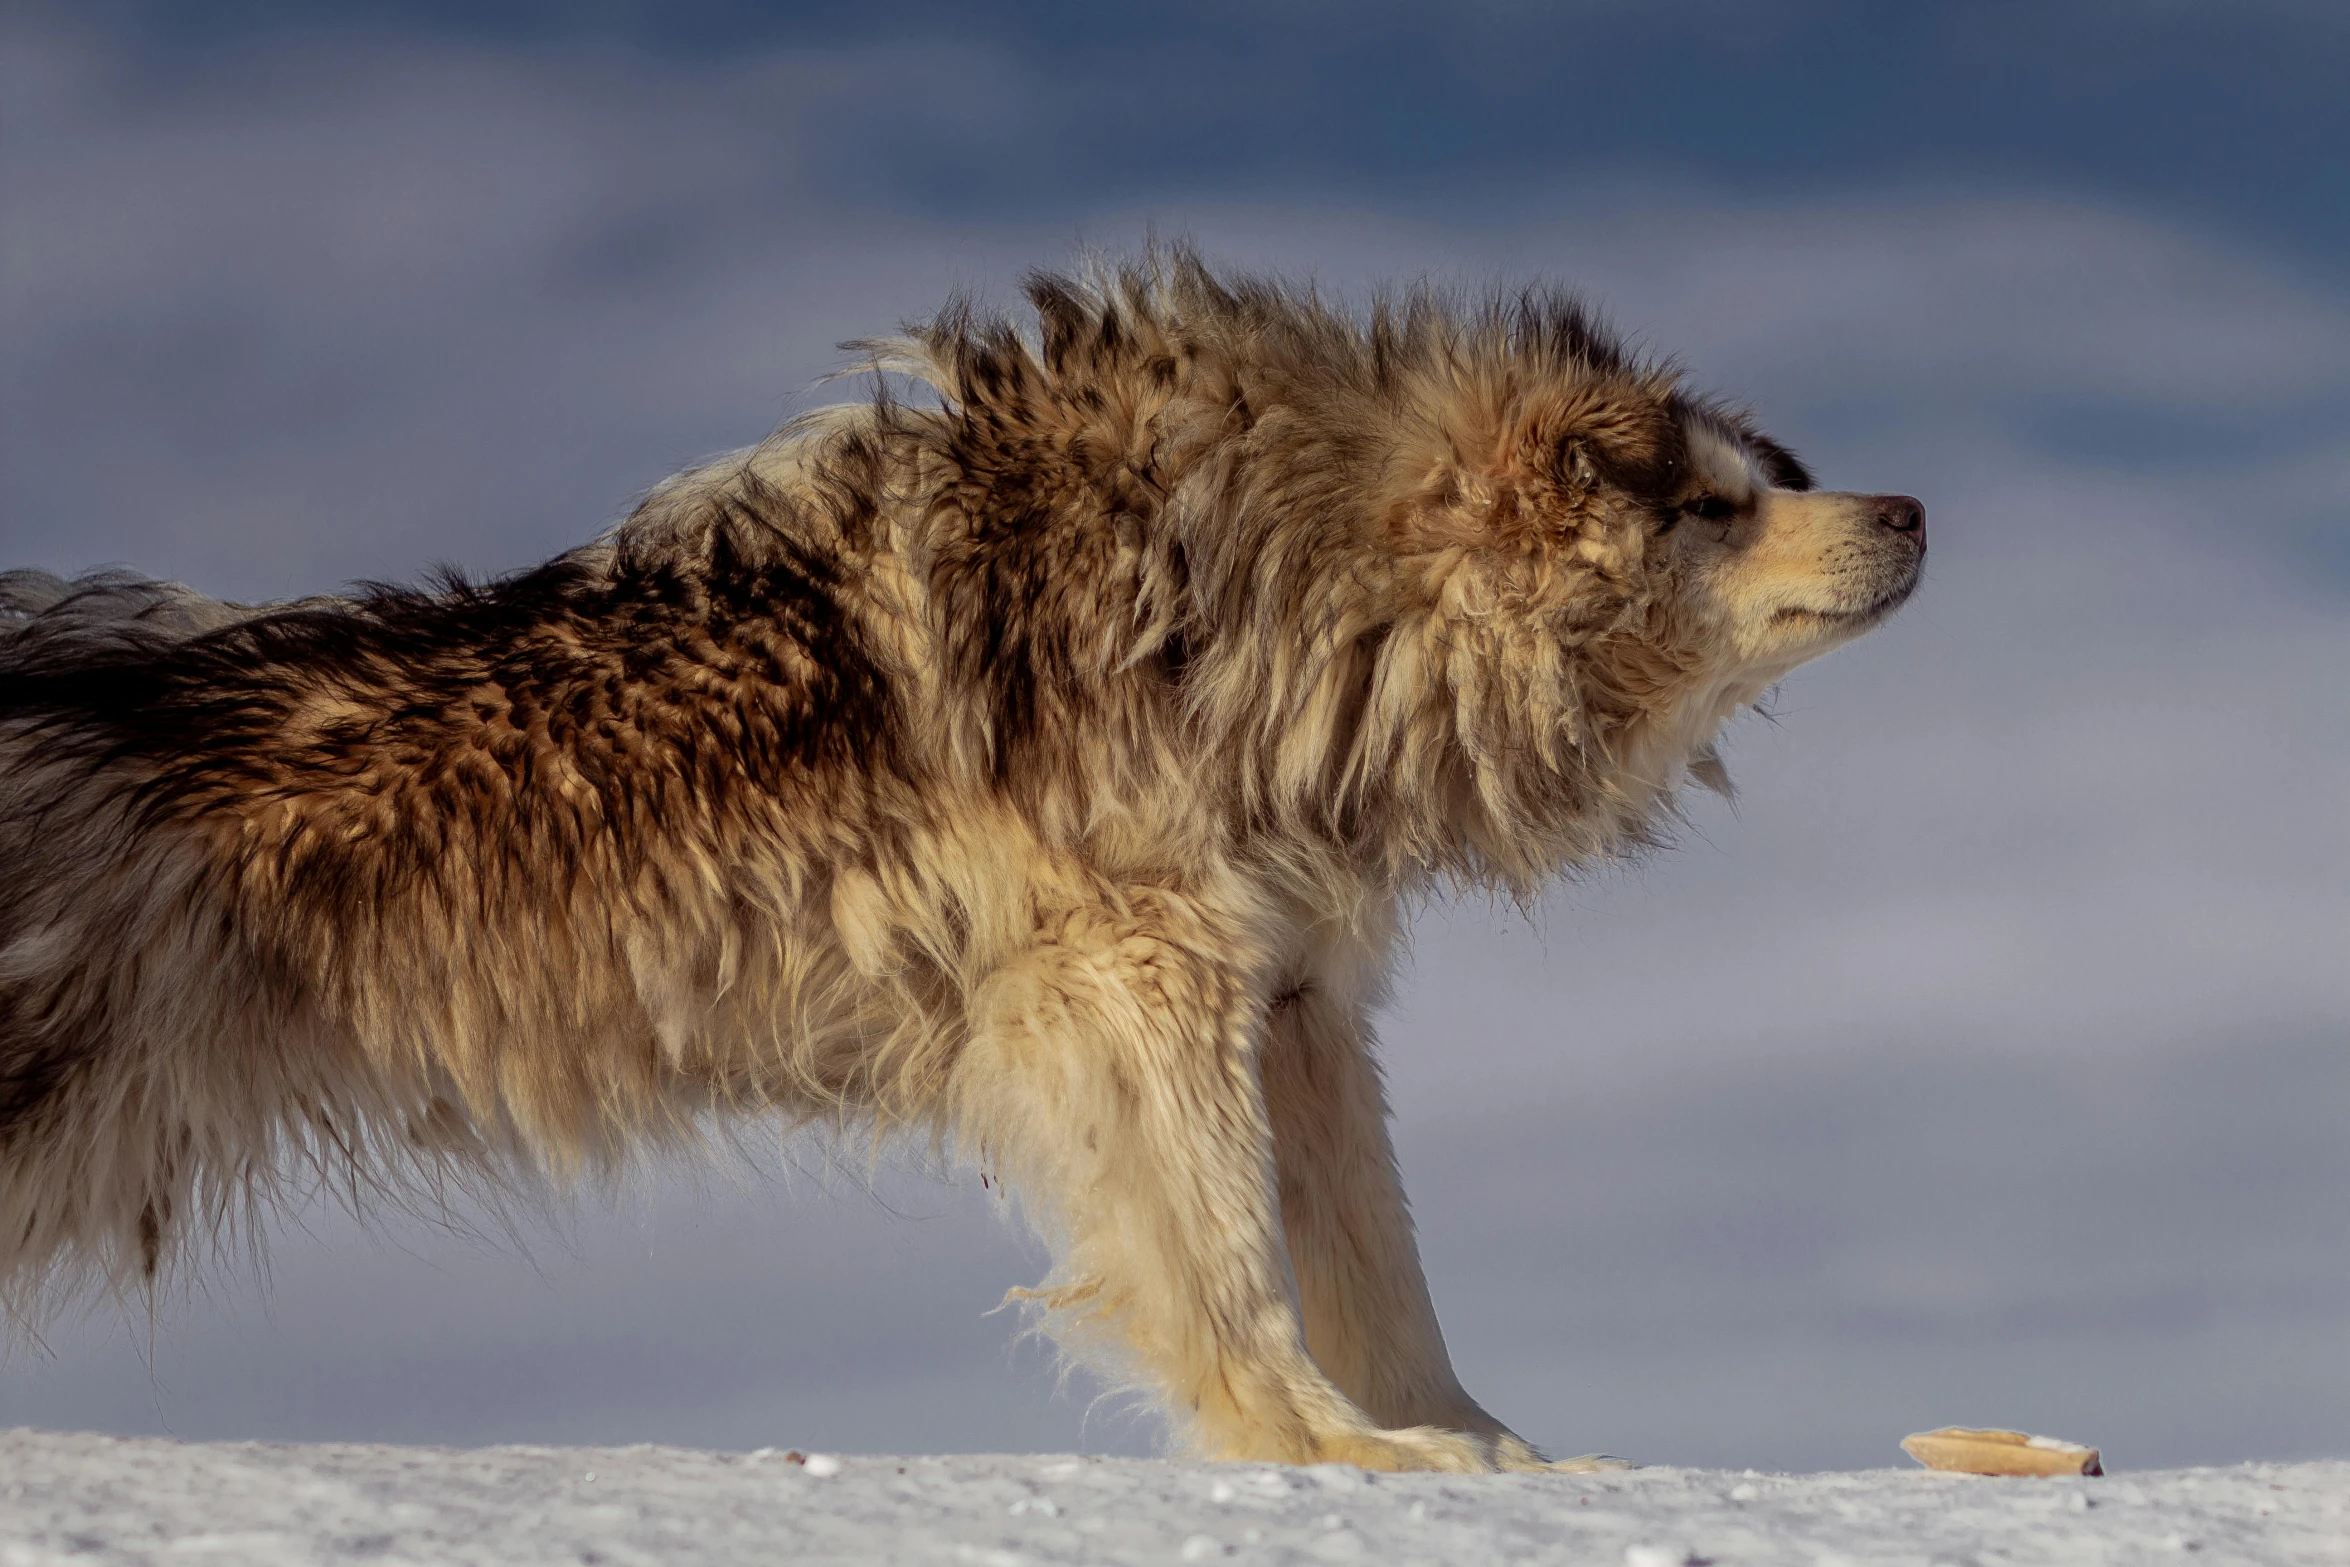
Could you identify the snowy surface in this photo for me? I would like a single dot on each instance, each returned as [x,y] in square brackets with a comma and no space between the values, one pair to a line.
[95,1499]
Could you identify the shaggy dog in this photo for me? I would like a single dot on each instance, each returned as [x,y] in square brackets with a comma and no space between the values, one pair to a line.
[1041,766]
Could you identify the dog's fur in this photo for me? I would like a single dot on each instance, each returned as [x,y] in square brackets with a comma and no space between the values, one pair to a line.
[1042,767]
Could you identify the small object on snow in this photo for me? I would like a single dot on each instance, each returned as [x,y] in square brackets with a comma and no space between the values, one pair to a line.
[1964,1451]
[1660,1556]
[822,1465]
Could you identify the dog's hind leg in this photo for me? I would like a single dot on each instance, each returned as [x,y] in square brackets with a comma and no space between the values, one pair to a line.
[1113,1073]
[1368,1319]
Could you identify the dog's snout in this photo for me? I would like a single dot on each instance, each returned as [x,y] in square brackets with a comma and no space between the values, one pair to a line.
[1902,514]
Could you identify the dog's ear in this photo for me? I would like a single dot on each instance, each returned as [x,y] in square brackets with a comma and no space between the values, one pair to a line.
[1541,471]
[1580,473]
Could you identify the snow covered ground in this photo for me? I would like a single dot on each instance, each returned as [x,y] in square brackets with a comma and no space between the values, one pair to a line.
[95,1499]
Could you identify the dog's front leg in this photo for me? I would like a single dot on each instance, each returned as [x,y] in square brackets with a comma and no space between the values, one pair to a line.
[1368,1318]
[1112,1073]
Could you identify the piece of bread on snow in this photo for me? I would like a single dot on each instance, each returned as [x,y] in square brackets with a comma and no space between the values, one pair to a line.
[1963,1451]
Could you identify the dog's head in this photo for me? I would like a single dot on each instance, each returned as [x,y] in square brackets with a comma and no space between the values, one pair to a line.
[1589,569]
[1782,572]
[1607,501]
[1469,586]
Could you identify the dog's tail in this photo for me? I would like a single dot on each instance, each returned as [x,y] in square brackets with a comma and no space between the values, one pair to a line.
[133,1107]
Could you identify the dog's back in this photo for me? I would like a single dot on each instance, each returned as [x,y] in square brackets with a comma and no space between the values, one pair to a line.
[409,882]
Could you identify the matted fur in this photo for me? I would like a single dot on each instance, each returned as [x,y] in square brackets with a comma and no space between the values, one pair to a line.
[1042,769]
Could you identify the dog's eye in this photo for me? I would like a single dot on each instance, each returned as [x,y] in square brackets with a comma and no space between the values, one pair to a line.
[1707,508]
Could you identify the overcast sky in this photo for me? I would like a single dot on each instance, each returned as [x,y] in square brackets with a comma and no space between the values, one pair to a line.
[1989,1063]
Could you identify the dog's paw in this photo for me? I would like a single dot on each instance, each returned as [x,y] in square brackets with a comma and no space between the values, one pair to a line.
[1516,1455]
[1412,1448]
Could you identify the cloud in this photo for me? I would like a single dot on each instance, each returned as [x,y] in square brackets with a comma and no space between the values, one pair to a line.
[341,308]
[2055,861]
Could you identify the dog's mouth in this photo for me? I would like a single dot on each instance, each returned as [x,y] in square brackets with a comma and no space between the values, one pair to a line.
[1853,620]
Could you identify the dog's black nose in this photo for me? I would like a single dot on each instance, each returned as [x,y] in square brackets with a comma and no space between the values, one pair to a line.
[1901,513]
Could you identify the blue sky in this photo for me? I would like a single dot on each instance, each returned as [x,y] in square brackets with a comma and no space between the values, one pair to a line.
[1987,1064]
[2229,114]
